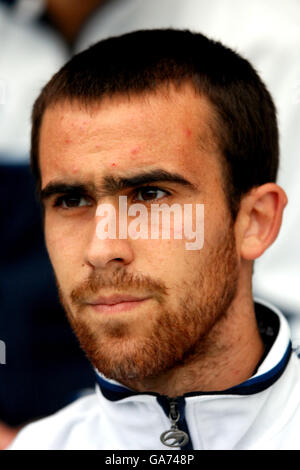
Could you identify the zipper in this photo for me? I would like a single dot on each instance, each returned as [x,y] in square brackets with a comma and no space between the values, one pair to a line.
[175,437]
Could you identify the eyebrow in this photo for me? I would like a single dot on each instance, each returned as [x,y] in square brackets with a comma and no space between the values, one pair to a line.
[112,184]
[54,188]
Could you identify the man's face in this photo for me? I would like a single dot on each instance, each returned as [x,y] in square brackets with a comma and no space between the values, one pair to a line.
[139,306]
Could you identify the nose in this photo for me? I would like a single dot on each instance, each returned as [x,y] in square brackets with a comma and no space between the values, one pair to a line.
[101,253]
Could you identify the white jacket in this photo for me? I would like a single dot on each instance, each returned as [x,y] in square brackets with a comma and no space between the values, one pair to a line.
[261,413]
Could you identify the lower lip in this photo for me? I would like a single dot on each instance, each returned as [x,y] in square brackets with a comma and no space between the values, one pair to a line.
[116,308]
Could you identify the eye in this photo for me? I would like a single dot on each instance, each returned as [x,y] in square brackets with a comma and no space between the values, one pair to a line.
[72,201]
[149,193]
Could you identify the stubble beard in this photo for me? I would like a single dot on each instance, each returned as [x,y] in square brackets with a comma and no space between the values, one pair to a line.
[175,337]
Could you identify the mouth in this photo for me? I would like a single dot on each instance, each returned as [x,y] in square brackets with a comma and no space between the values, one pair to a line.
[117,303]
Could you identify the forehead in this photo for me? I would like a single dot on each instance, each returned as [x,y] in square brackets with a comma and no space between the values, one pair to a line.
[171,128]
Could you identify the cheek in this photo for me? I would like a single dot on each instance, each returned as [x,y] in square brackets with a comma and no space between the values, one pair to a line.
[166,260]
[57,248]
[64,251]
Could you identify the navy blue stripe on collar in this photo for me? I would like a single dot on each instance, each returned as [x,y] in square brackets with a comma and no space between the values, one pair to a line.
[115,392]
[255,384]
[261,382]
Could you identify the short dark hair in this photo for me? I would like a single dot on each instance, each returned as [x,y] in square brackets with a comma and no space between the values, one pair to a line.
[141,61]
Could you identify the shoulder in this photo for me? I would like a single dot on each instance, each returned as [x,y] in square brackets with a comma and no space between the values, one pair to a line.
[280,430]
[55,431]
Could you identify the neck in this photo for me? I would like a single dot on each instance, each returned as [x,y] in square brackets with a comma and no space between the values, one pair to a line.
[227,356]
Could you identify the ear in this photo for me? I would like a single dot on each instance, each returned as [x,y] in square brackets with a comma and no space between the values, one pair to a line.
[259,219]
